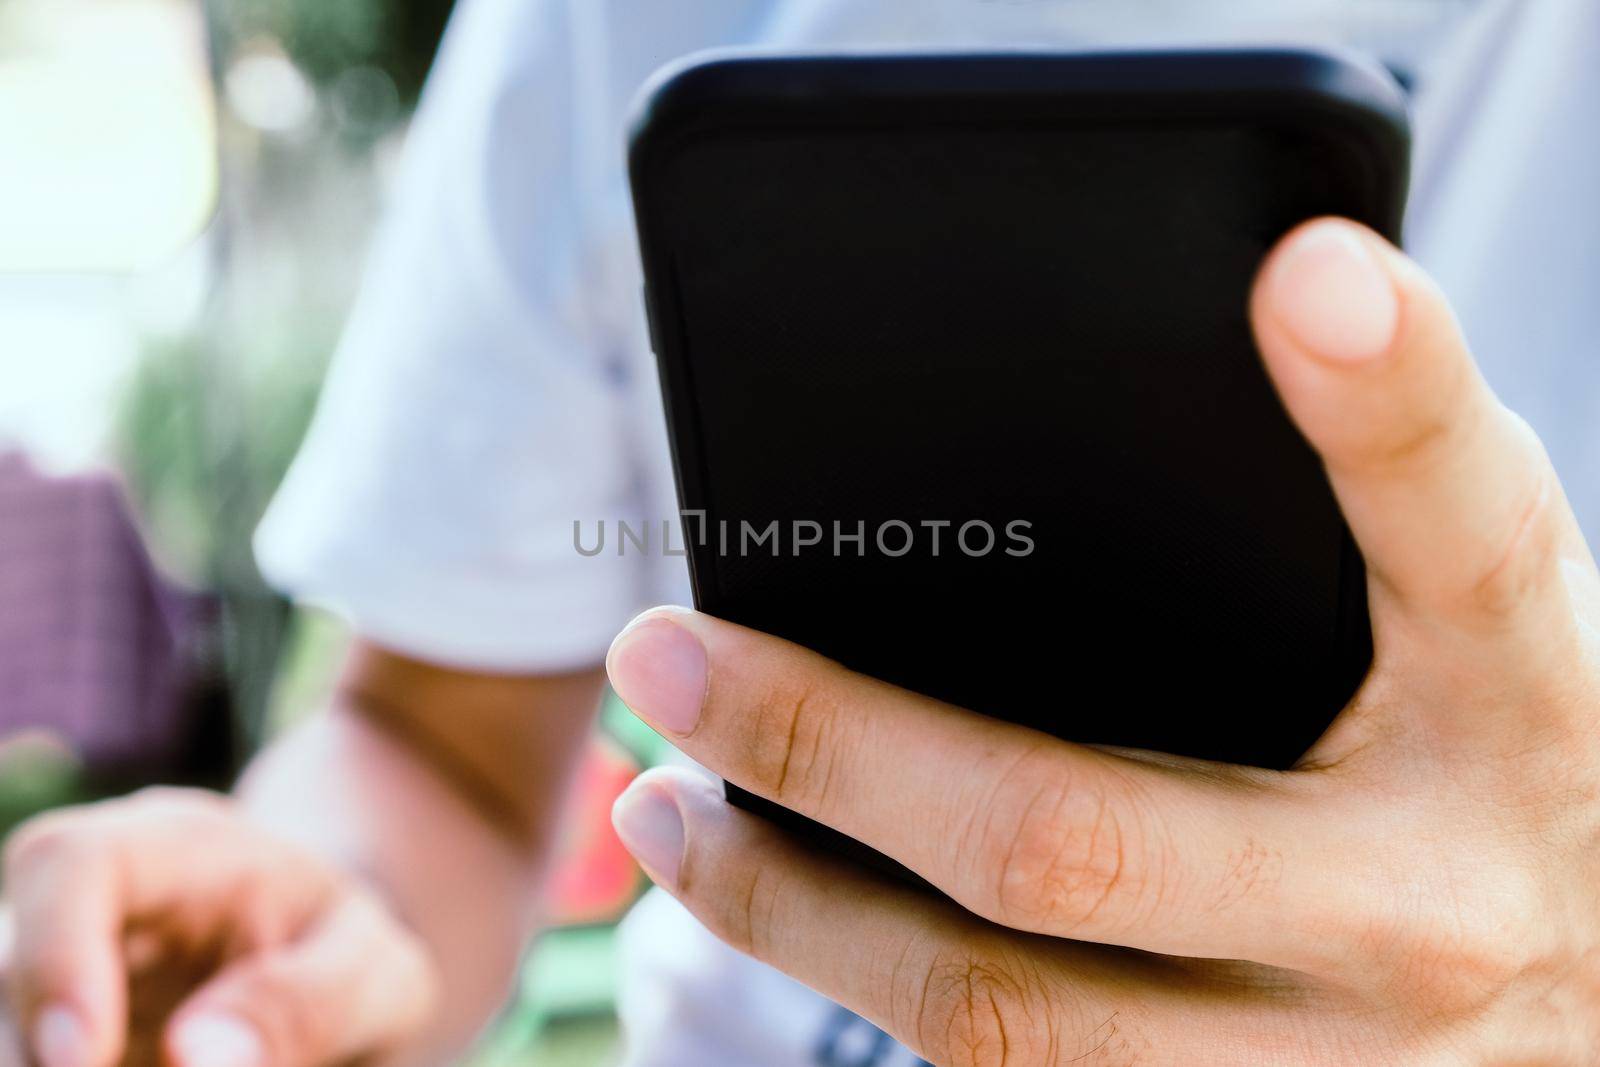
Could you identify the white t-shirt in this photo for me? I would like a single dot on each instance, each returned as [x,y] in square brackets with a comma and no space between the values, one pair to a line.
[495,386]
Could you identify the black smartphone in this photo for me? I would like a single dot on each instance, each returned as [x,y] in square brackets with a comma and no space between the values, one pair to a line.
[961,386]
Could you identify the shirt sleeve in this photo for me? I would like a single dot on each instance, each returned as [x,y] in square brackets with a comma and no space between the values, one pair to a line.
[1507,210]
[470,418]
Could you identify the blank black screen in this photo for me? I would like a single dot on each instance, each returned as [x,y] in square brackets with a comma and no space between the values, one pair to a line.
[924,320]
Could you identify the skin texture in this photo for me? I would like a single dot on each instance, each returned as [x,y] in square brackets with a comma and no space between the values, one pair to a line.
[1418,891]
[366,893]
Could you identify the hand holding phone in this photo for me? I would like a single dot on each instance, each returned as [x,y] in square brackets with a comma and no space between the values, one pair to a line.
[1414,892]
[957,345]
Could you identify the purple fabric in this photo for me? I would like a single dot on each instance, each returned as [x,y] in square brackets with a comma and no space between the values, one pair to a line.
[94,645]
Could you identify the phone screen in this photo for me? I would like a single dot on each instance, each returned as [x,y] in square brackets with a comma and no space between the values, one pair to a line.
[989,389]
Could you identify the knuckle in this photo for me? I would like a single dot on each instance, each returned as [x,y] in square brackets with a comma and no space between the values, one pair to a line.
[174,802]
[1466,948]
[62,840]
[1453,968]
[1527,554]
[75,836]
[1418,445]
[973,1011]
[798,739]
[982,1003]
[1071,853]
[752,911]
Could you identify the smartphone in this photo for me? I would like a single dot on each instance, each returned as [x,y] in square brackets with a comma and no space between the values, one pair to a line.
[961,387]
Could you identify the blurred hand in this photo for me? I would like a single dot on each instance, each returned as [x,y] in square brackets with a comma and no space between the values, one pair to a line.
[1420,890]
[166,928]
[12,1051]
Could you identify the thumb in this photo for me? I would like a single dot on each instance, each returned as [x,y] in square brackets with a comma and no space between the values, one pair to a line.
[355,985]
[1450,496]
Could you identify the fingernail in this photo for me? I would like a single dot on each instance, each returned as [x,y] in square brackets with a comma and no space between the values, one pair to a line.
[60,1039]
[218,1039]
[650,824]
[1333,296]
[658,668]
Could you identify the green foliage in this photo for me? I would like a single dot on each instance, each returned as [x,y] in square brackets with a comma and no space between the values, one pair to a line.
[325,38]
[204,443]
[35,775]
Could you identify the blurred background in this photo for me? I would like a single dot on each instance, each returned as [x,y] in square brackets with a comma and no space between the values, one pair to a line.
[186,192]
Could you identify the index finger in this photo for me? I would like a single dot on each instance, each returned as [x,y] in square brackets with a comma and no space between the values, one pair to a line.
[956,989]
[1021,828]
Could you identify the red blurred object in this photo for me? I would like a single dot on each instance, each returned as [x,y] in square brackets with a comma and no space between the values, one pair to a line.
[595,878]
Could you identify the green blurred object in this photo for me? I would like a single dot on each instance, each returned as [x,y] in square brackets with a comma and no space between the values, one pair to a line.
[572,972]
[327,38]
[591,1042]
[563,1011]
[206,430]
[645,745]
[36,774]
